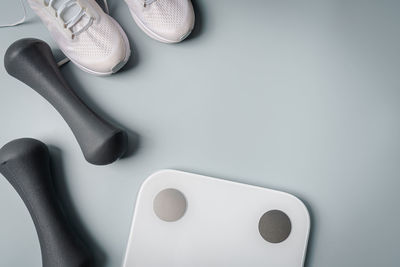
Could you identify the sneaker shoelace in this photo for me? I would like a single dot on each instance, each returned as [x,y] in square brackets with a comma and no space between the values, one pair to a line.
[72,21]
[148,2]
[67,4]
[70,12]
[20,21]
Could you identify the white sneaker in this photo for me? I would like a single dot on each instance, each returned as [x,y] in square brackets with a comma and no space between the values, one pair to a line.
[90,38]
[168,21]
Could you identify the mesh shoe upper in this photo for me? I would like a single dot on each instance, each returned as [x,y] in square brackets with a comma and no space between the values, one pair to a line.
[98,49]
[164,20]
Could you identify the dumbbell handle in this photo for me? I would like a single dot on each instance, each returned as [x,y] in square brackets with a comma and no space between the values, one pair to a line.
[25,164]
[31,61]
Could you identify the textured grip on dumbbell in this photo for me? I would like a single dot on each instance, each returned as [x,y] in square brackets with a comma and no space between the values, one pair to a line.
[25,163]
[31,61]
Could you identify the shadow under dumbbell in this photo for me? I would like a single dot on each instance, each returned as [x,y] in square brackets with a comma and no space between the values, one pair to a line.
[67,206]
[133,137]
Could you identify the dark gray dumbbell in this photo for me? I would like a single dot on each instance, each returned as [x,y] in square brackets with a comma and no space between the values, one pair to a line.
[25,164]
[31,61]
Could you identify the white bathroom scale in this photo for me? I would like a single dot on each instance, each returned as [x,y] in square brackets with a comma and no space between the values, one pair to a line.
[188,220]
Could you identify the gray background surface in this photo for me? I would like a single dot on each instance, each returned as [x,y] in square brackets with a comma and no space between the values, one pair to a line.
[300,96]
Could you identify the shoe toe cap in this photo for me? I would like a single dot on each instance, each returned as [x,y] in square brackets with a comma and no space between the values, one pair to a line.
[113,62]
[99,51]
[169,21]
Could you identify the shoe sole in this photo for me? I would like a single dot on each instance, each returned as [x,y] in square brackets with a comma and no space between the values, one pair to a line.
[156,36]
[117,67]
